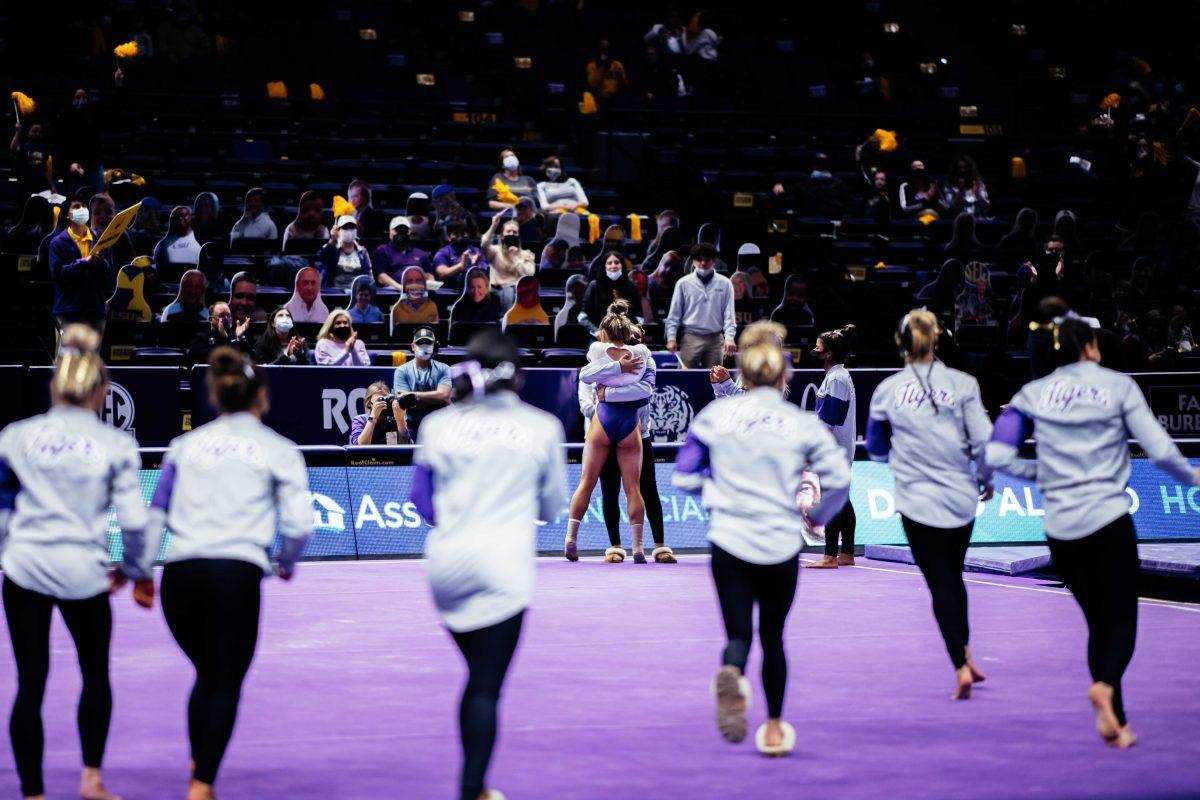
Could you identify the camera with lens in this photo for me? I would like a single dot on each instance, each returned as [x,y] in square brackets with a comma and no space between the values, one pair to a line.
[406,400]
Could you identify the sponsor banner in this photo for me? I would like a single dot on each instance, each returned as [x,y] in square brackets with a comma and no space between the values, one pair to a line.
[143,401]
[364,511]
[1175,401]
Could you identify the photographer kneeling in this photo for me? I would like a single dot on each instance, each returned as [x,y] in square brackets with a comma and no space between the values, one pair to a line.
[384,421]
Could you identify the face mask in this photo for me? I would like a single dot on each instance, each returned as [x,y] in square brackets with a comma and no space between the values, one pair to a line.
[341,334]
[613,274]
[424,351]
[283,324]
[511,163]
[80,216]
[458,245]
[511,241]
[79,104]
[704,274]
[414,294]
[553,173]
[347,237]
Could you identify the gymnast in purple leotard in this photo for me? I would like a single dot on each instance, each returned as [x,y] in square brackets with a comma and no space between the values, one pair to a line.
[617,365]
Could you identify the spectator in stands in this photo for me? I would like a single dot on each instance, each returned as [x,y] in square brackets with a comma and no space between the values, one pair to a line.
[306,304]
[417,208]
[1021,242]
[663,279]
[338,344]
[939,294]
[393,258]
[206,210]
[458,256]
[1144,238]
[384,421]
[975,303]
[32,160]
[558,192]
[477,303]
[605,75]
[608,286]
[577,260]
[919,194]
[37,218]
[1179,331]
[794,310]
[641,282]
[83,281]
[101,210]
[277,345]
[760,287]
[702,314]
[530,221]
[222,331]
[746,307]
[554,255]
[1066,229]
[963,243]
[508,261]
[964,190]
[709,234]
[527,309]
[80,132]
[820,194]
[447,210]
[363,310]
[508,185]
[876,203]
[415,304]
[358,193]
[572,302]
[179,246]
[147,222]
[345,259]
[422,385]
[243,298]
[189,303]
[307,224]
[255,222]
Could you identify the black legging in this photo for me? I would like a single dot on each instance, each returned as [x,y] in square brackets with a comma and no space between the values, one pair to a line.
[488,652]
[740,585]
[90,624]
[844,523]
[940,553]
[610,495]
[1101,570]
[212,608]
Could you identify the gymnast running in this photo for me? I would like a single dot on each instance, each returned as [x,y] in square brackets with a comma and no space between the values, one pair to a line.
[59,473]
[1083,416]
[223,490]
[618,426]
[489,467]
[746,454]
[929,422]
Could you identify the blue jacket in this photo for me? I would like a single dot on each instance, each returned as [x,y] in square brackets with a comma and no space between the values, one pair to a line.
[331,276]
[79,287]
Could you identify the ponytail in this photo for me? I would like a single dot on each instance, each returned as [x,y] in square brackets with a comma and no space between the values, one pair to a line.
[233,382]
[79,371]
[618,326]
[762,364]
[838,342]
[918,335]
[1071,335]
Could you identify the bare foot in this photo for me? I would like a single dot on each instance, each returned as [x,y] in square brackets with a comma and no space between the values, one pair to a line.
[963,690]
[826,562]
[976,673]
[845,559]
[731,704]
[1100,694]
[774,733]
[91,786]
[1125,739]
[198,790]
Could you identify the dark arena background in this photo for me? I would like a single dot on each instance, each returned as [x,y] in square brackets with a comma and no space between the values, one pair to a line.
[848,162]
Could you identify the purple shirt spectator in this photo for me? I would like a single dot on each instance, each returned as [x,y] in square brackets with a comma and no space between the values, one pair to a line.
[446,257]
[391,260]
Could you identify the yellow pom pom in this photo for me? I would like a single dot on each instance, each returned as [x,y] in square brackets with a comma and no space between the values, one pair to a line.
[503,193]
[341,206]
[884,140]
[127,50]
[635,228]
[277,90]
[1019,170]
[316,92]
[588,105]
[25,103]
[1110,102]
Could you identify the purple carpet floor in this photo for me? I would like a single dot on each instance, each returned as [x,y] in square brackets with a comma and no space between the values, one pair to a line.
[354,694]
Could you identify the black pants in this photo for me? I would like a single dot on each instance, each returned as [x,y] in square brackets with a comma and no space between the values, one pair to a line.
[740,585]
[940,553]
[488,652]
[90,624]
[843,524]
[610,495]
[212,608]
[1101,570]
